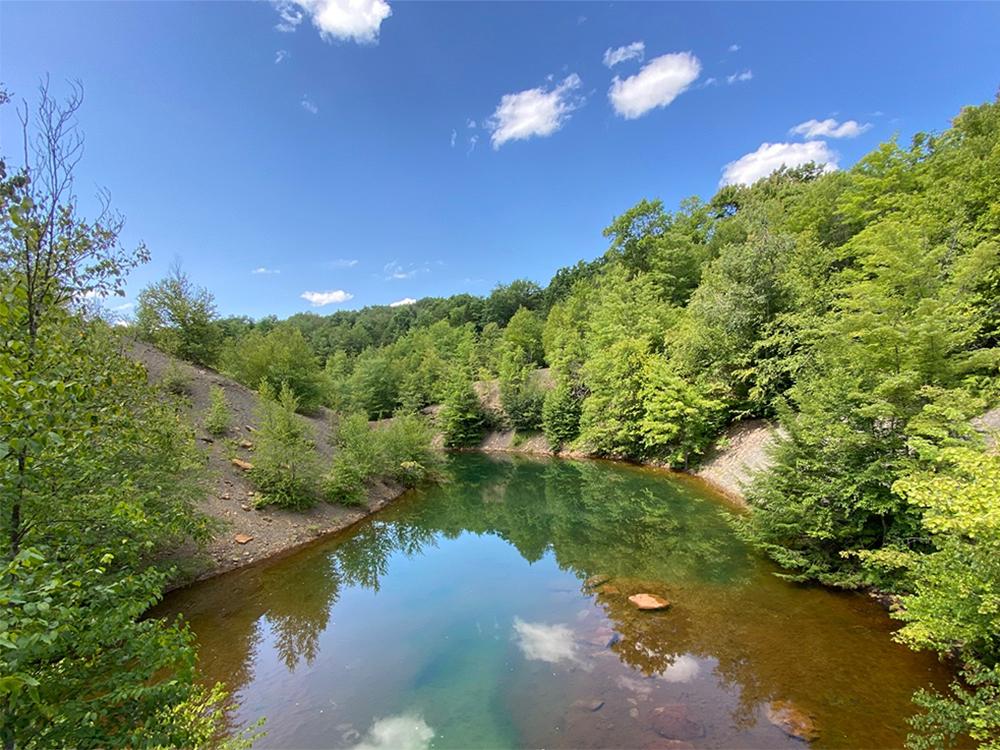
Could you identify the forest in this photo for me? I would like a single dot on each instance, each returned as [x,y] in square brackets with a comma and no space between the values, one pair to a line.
[859,309]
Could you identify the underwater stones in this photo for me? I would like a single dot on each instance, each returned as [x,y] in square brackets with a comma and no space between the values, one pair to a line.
[649,602]
[594,581]
[672,723]
[591,705]
[792,720]
[608,589]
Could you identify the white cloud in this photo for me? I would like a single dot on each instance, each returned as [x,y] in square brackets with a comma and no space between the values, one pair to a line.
[402,732]
[263,270]
[394,270]
[771,156]
[454,136]
[473,140]
[123,308]
[830,128]
[746,75]
[332,297]
[470,124]
[660,81]
[548,643]
[403,302]
[684,669]
[534,112]
[343,263]
[309,106]
[356,20]
[634,51]
[734,48]
[280,56]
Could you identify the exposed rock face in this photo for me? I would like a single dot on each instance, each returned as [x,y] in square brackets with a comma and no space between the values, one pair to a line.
[649,602]
[672,723]
[792,720]
[746,454]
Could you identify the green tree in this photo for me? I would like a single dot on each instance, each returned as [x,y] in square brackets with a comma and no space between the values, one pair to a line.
[218,418]
[279,357]
[285,465]
[561,416]
[179,318]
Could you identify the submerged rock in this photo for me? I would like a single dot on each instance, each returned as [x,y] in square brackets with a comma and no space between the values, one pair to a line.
[649,601]
[594,705]
[792,720]
[608,589]
[594,581]
[672,723]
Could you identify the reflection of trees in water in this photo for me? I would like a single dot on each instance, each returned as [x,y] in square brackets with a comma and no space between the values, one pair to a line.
[299,611]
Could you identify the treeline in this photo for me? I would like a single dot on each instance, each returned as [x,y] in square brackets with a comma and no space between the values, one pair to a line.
[860,308]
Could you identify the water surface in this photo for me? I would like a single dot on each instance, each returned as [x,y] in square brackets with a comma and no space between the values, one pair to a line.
[459,618]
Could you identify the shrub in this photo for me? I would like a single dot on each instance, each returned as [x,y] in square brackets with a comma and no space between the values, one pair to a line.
[561,416]
[218,417]
[461,418]
[285,466]
[179,318]
[176,380]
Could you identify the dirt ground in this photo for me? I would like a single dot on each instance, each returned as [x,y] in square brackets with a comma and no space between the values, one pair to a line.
[230,496]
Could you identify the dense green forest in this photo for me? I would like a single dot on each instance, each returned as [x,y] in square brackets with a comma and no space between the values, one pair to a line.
[858,308]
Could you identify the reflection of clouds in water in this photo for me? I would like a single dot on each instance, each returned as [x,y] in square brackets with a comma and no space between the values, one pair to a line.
[403,732]
[551,643]
[684,669]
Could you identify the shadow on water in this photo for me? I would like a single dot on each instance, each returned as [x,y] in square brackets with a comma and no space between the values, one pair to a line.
[461,617]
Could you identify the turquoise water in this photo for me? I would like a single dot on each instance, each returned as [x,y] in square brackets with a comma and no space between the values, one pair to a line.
[459,618]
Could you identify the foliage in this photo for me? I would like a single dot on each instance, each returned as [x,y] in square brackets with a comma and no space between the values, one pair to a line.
[520,395]
[275,359]
[179,318]
[461,419]
[561,416]
[285,464]
[399,450]
[218,418]
[176,380]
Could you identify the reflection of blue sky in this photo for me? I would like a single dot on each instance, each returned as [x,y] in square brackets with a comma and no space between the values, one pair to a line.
[541,642]
[402,732]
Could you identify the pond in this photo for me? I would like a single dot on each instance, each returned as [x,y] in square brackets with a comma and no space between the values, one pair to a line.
[462,617]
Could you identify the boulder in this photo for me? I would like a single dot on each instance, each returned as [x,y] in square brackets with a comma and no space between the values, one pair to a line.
[792,720]
[649,602]
[672,723]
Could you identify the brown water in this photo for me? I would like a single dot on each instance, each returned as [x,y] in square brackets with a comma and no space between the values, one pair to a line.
[459,618]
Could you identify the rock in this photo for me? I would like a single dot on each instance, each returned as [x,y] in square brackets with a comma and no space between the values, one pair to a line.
[250,428]
[594,705]
[608,589]
[243,538]
[792,720]
[672,723]
[246,444]
[594,581]
[225,496]
[206,439]
[240,463]
[615,638]
[649,602]
[634,713]
[245,507]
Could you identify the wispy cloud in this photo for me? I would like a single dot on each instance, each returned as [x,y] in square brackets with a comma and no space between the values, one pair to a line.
[634,51]
[454,137]
[745,75]
[332,297]
[473,140]
[394,270]
[403,302]
[308,105]
[734,48]
[536,112]
[354,20]
[830,128]
[264,270]
[660,81]
[772,156]
[343,263]
[280,56]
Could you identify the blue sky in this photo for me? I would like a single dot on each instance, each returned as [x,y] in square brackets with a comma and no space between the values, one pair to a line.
[391,150]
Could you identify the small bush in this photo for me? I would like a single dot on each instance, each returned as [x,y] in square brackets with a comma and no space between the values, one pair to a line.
[400,450]
[461,418]
[285,465]
[218,418]
[176,380]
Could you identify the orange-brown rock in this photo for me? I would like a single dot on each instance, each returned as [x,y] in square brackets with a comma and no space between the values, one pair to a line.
[243,538]
[245,465]
[649,601]
[792,720]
